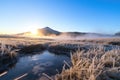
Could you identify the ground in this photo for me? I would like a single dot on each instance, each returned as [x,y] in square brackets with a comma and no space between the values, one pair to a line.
[87,55]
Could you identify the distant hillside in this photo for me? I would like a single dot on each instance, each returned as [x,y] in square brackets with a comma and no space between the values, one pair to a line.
[50,32]
[117,34]
[24,33]
[72,34]
[7,36]
[47,32]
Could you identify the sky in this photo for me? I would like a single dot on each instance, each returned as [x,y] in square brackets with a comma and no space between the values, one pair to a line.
[95,16]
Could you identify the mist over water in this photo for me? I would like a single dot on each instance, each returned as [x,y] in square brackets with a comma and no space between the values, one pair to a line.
[83,37]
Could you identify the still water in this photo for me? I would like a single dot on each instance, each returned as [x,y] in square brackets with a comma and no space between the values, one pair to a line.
[33,66]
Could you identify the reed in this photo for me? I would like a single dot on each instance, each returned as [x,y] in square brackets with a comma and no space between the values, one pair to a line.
[95,64]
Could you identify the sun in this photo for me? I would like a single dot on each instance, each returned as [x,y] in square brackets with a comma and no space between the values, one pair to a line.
[33,31]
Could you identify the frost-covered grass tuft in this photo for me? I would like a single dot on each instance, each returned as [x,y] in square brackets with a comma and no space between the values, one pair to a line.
[95,64]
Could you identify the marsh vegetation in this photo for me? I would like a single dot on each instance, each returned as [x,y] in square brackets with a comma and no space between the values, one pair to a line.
[86,59]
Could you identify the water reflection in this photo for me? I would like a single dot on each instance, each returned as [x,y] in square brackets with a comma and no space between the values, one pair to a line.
[7,63]
[35,65]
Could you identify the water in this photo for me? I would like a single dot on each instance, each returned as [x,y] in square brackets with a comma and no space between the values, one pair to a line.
[34,65]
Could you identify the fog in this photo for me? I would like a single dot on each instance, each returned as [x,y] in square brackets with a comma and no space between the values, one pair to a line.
[83,37]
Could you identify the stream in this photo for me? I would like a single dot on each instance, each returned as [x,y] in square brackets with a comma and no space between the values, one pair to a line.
[31,67]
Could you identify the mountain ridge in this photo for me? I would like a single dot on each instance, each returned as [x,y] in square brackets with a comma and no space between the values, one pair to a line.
[117,34]
[47,31]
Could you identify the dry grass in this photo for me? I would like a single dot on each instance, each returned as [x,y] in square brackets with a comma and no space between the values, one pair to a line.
[8,56]
[95,64]
[33,48]
[7,50]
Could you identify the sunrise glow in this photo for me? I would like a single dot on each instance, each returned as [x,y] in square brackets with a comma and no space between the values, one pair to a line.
[34,32]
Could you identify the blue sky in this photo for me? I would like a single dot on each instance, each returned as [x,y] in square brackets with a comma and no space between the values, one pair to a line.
[101,16]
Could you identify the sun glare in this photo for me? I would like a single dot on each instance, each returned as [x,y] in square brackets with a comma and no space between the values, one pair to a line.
[34,32]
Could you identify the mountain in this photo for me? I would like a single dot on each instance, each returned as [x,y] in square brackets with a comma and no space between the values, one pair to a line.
[72,34]
[117,34]
[47,32]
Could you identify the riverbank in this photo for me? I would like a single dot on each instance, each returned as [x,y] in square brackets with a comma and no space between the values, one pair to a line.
[87,55]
